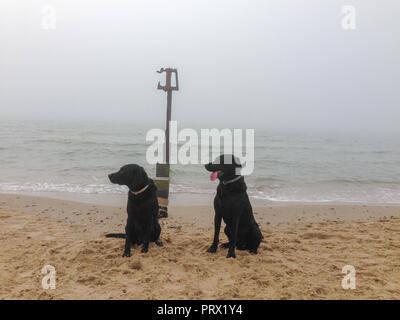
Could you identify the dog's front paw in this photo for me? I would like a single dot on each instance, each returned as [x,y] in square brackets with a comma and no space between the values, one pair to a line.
[212,249]
[127,253]
[144,249]
[225,245]
[231,254]
[159,243]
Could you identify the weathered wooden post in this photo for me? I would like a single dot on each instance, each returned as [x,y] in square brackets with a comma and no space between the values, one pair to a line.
[163,169]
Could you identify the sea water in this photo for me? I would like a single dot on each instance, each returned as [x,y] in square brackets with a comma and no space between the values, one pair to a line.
[73,158]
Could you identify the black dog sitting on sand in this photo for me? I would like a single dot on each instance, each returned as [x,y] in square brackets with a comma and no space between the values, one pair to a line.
[142,226]
[232,204]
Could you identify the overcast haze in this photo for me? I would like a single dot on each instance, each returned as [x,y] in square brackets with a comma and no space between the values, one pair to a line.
[241,63]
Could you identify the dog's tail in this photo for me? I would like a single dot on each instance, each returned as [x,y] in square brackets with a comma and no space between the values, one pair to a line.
[116,235]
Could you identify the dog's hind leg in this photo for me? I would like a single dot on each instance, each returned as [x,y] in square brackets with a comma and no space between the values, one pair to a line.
[155,234]
[241,246]
[255,239]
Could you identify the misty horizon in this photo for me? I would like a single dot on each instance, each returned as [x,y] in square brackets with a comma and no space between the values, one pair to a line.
[249,65]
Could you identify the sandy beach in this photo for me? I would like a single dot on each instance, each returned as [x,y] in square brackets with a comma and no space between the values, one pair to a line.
[301,257]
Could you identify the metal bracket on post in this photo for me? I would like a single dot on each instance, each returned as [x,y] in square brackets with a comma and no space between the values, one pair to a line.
[168,87]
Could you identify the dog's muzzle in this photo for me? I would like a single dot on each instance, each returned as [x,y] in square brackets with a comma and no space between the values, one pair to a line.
[111,176]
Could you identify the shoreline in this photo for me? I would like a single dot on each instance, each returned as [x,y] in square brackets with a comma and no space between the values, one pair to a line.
[112,218]
[178,199]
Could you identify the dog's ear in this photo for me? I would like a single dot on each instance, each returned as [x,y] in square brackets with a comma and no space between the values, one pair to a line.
[139,177]
[143,178]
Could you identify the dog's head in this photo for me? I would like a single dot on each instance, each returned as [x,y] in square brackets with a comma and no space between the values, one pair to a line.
[226,167]
[130,175]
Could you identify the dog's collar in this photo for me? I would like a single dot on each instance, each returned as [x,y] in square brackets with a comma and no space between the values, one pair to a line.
[232,180]
[140,191]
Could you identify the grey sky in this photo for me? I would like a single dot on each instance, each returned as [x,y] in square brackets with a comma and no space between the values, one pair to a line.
[241,63]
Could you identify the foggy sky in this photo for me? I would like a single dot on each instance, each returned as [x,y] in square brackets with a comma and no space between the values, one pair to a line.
[284,64]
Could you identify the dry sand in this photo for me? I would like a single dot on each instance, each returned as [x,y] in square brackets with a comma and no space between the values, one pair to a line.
[301,257]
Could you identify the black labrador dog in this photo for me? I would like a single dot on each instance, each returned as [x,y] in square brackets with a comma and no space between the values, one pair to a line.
[232,204]
[142,226]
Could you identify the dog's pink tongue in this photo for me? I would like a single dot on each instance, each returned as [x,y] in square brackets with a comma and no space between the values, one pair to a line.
[214,175]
